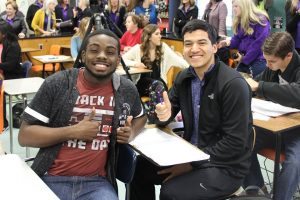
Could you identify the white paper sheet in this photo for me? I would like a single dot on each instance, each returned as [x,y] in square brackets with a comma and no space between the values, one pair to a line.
[166,149]
[260,116]
[269,108]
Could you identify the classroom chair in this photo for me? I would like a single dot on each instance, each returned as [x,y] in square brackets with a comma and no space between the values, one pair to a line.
[49,68]
[269,154]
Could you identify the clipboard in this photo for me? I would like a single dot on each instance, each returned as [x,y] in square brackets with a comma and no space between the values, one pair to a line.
[166,149]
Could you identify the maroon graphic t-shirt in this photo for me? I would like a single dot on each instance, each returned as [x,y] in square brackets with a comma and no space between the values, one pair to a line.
[80,158]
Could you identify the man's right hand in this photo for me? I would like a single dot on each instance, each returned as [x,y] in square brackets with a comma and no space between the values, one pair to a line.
[87,129]
[163,110]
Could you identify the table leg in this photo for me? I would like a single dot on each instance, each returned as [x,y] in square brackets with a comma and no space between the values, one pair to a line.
[276,163]
[11,124]
[43,72]
[28,57]
[24,97]
[62,66]
[53,68]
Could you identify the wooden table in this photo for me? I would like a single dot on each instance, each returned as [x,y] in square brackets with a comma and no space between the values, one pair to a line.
[278,125]
[65,46]
[132,70]
[21,86]
[27,50]
[52,59]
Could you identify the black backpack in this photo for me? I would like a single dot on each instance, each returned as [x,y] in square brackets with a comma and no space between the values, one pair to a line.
[17,111]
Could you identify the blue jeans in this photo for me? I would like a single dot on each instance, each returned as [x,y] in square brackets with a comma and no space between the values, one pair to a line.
[289,176]
[255,68]
[81,188]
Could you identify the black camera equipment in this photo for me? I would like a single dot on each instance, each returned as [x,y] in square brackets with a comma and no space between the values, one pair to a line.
[100,20]
[235,55]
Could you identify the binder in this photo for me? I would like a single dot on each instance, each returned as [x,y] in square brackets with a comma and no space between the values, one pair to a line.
[165,149]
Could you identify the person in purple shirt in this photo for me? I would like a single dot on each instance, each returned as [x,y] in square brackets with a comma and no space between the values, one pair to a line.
[292,11]
[38,4]
[16,22]
[251,27]
[116,12]
[64,13]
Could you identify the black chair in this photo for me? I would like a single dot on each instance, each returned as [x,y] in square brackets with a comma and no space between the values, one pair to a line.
[127,159]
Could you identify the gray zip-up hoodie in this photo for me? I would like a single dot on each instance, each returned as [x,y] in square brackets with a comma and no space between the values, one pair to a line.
[53,104]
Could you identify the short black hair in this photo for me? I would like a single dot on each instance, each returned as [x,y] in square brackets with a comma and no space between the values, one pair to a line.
[197,24]
[101,32]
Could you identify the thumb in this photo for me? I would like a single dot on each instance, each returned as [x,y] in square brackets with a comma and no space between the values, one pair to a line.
[129,120]
[91,115]
[166,99]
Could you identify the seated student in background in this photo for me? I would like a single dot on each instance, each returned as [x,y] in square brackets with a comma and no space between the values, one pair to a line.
[147,9]
[251,26]
[10,60]
[279,83]
[134,32]
[83,10]
[18,24]
[152,54]
[186,12]
[64,13]
[116,12]
[77,38]
[225,134]
[215,14]
[76,125]
[44,20]
[32,9]
[18,13]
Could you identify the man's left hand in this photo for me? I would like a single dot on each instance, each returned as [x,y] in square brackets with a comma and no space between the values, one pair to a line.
[124,133]
[176,170]
[252,83]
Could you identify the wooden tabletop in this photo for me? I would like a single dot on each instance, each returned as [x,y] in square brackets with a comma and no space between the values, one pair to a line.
[279,124]
[28,49]
[132,70]
[65,46]
[53,59]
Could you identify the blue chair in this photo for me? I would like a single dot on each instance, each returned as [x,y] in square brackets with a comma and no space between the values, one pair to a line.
[127,159]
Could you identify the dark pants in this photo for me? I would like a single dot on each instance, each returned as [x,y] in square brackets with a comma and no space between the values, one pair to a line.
[255,68]
[205,183]
[289,176]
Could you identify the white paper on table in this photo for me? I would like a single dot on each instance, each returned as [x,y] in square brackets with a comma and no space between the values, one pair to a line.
[52,57]
[270,109]
[166,149]
[260,116]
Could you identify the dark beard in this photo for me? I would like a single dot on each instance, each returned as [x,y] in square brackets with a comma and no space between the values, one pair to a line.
[99,76]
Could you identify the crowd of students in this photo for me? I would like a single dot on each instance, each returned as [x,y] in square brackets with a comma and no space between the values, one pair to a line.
[77,118]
